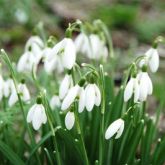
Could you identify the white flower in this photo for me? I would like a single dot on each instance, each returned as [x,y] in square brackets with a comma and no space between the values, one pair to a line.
[8,87]
[145,86]
[24,94]
[66,84]
[32,55]
[27,62]
[66,52]
[55,102]
[116,127]
[92,96]
[153,59]
[1,87]
[74,92]
[132,87]
[37,116]
[52,62]
[93,47]
[35,43]
[69,120]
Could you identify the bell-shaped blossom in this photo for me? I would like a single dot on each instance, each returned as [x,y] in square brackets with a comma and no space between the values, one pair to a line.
[65,53]
[37,116]
[55,102]
[8,87]
[32,55]
[69,120]
[51,61]
[132,87]
[1,87]
[24,94]
[116,127]
[92,96]
[145,86]
[93,47]
[65,85]
[153,59]
[76,91]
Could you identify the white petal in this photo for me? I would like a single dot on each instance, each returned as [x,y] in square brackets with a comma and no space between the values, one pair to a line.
[70,97]
[136,91]
[143,87]
[150,87]
[89,97]
[81,104]
[128,90]
[50,65]
[37,117]
[25,95]
[69,56]
[120,131]
[69,120]
[98,95]
[30,113]
[153,57]
[13,99]
[65,85]
[114,128]
[43,114]
[55,102]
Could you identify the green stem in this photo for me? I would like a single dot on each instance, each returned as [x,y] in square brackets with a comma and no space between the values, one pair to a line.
[79,128]
[9,64]
[52,129]
[101,137]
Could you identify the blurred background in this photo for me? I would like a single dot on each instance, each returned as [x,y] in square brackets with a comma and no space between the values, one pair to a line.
[133,24]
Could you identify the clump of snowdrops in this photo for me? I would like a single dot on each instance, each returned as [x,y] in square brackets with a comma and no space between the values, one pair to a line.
[60,108]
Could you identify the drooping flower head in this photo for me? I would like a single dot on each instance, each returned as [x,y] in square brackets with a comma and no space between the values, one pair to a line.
[37,115]
[93,47]
[23,92]
[116,127]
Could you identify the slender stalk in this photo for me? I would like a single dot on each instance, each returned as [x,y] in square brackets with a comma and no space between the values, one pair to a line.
[52,129]
[101,137]
[8,62]
[79,129]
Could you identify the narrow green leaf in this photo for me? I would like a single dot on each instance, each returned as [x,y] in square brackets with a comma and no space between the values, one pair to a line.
[10,154]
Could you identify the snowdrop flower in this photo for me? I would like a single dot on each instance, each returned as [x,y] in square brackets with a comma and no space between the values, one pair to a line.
[66,84]
[55,102]
[8,87]
[92,96]
[76,91]
[51,61]
[37,115]
[69,120]
[66,53]
[116,127]
[132,87]
[24,94]
[1,87]
[93,47]
[153,59]
[27,62]
[145,86]
[32,55]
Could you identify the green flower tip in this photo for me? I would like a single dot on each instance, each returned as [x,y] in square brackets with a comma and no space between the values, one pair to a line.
[23,81]
[82,82]
[144,68]
[39,100]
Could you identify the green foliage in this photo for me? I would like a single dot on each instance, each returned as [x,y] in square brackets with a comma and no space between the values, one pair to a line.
[117,15]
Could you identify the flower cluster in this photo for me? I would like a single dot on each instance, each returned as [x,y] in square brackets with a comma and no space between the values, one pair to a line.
[140,85]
